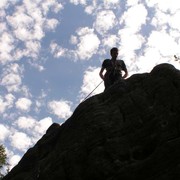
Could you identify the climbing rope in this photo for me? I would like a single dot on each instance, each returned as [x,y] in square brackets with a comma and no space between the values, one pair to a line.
[92,91]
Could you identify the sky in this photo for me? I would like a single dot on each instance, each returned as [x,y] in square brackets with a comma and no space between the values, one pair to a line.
[51,53]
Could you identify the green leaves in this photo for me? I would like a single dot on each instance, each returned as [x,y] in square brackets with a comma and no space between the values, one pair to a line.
[3,159]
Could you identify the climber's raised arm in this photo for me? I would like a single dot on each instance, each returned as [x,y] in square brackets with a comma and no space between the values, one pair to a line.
[101,73]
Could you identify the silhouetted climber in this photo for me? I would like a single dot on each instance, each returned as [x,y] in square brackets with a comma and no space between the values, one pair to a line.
[113,69]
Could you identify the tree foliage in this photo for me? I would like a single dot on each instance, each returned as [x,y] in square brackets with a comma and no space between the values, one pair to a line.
[3,159]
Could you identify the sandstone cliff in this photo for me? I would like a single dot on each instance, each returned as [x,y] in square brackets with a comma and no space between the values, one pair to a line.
[129,132]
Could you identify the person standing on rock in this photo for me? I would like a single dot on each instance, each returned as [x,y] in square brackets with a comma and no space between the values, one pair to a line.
[113,69]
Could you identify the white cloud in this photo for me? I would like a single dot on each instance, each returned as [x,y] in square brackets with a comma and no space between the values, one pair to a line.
[91,80]
[174,19]
[2,105]
[160,20]
[151,58]
[53,47]
[25,122]
[14,68]
[43,125]
[12,82]
[20,141]
[111,4]
[134,17]
[163,42]
[22,24]
[28,21]
[40,101]
[130,42]
[175,34]
[4,132]
[33,126]
[53,4]
[132,2]
[23,104]
[11,77]
[10,99]
[88,45]
[21,19]
[6,102]
[105,21]
[13,160]
[94,6]
[110,41]
[3,26]
[61,108]
[51,24]
[165,6]
[73,39]
[3,3]
[32,48]
[38,105]
[89,9]
[76,2]
[25,91]
[32,132]
[6,47]
[36,64]
[56,50]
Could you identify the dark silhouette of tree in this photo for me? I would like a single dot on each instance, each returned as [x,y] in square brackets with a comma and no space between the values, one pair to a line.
[3,160]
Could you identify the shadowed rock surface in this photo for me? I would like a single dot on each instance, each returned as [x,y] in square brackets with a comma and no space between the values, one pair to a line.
[129,132]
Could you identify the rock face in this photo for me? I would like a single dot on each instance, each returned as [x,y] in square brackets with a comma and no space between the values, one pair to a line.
[129,132]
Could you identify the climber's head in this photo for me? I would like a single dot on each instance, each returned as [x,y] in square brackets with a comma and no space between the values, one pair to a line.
[114,52]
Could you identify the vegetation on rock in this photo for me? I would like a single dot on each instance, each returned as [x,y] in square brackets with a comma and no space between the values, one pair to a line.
[3,160]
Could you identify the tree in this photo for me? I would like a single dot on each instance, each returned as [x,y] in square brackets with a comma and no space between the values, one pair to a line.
[3,159]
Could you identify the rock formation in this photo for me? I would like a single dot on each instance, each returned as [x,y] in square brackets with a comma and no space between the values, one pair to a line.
[129,132]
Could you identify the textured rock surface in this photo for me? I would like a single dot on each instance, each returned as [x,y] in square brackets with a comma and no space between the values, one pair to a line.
[129,132]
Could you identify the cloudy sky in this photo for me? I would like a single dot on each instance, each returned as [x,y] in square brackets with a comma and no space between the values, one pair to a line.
[51,52]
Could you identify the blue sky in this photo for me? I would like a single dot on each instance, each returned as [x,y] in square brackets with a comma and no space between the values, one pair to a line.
[51,53]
